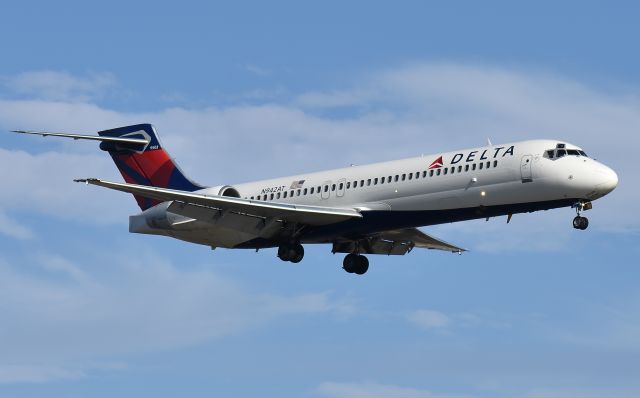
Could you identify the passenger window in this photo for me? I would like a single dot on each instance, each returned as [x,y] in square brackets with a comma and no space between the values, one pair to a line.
[495,163]
[397,178]
[459,169]
[333,187]
[404,177]
[382,180]
[488,164]
[375,181]
[348,184]
[362,183]
[340,186]
[326,188]
[480,166]
[439,170]
[389,179]
[417,175]
[304,192]
[446,171]
[430,173]
[284,195]
[299,191]
[369,182]
[466,167]
[473,166]
[410,175]
[453,170]
[278,196]
[318,190]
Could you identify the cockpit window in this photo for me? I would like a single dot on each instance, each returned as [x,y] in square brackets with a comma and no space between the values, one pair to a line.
[561,151]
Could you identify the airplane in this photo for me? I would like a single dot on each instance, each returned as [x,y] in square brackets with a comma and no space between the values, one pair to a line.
[368,209]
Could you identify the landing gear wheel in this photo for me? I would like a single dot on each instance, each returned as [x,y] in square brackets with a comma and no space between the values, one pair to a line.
[580,222]
[296,253]
[293,252]
[349,263]
[355,264]
[363,265]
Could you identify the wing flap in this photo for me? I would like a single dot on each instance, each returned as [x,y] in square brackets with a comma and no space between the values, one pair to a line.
[311,215]
[394,242]
[420,240]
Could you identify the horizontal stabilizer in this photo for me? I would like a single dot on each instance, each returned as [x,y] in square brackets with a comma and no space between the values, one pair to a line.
[119,140]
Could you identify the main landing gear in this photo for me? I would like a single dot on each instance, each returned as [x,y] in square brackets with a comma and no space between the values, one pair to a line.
[293,252]
[355,264]
[580,222]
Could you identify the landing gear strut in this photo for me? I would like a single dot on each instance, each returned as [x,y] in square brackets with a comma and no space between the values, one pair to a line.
[580,222]
[355,264]
[291,252]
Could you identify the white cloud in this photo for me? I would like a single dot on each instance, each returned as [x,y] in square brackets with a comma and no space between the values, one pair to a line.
[379,390]
[36,374]
[57,315]
[12,228]
[43,184]
[429,319]
[59,86]
[375,390]
[424,108]
[257,70]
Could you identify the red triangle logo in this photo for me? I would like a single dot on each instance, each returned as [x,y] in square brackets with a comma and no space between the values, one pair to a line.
[436,163]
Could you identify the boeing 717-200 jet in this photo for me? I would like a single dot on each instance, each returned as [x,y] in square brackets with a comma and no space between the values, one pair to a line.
[370,209]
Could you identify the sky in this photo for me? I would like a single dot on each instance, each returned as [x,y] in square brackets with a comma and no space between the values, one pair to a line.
[240,91]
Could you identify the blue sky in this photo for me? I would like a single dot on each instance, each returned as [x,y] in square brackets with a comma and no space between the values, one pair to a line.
[251,90]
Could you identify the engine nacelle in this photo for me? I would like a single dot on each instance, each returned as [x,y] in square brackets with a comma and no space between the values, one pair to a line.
[222,190]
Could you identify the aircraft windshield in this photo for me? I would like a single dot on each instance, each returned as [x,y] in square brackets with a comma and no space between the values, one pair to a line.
[560,151]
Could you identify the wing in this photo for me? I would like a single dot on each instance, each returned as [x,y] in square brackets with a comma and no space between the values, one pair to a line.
[399,242]
[189,202]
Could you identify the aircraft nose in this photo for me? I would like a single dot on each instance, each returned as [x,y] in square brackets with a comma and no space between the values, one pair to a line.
[607,180]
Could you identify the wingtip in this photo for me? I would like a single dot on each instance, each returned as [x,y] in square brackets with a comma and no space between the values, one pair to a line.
[85,180]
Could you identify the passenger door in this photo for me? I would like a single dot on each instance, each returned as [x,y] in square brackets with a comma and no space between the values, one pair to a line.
[525,168]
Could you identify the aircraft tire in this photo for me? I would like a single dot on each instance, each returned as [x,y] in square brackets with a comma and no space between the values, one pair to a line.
[296,253]
[362,265]
[580,223]
[350,262]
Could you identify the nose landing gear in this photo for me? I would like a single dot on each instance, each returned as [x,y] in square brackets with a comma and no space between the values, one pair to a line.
[580,222]
[355,264]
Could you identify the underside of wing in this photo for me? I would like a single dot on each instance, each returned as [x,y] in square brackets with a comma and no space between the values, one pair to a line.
[397,242]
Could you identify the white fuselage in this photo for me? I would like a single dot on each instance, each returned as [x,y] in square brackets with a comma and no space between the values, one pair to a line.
[454,186]
[487,176]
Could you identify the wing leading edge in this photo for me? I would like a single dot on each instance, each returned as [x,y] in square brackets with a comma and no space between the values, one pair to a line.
[310,215]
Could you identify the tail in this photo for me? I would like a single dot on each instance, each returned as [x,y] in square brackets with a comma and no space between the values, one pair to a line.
[145,164]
